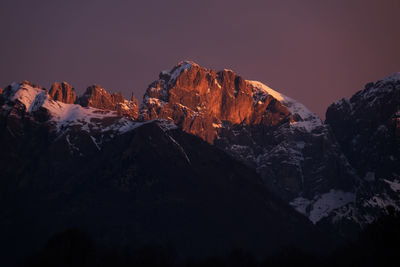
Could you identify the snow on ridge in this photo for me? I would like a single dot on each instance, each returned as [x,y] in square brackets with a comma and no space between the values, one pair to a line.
[25,93]
[64,115]
[264,88]
[89,118]
[309,119]
[178,69]
[394,185]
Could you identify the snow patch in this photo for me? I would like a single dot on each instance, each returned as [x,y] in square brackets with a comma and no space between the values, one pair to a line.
[300,204]
[394,185]
[322,205]
[95,142]
[178,69]
[65,115]
[309,120]
[180,148]
[26,94]
[328,202]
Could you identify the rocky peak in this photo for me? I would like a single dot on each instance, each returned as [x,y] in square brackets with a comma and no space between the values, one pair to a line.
[125,107]
[63,92]
[22,94]
[199,100]
[97,97]
[117,98]
[367,126]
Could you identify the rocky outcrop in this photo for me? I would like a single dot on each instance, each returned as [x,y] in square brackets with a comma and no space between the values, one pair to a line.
[367,128]
[63,92]
[198,100]
[97,97]
[125,107]
[28,102]
[289,146]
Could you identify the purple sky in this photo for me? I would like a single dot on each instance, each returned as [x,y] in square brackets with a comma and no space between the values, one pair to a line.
[311,50]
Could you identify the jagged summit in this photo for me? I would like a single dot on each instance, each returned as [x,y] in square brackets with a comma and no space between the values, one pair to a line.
[25,93]
[367,126]
[383,93]
[25,100]
[200,100]
[171,74]
[97,97]
[63,92]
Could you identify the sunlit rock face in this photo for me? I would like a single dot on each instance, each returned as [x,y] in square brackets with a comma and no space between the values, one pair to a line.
[63,92]
[97,97]
[288,145]
[199,100]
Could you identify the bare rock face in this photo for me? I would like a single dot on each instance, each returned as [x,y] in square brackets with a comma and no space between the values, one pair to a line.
[288,145]
[367,126]
[97,97]
[63,92]
[199,100]
[125,107]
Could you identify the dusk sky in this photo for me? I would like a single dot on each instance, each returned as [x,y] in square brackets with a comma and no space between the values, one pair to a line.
[314,51]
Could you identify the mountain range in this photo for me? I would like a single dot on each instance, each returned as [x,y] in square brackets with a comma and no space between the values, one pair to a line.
[209,162]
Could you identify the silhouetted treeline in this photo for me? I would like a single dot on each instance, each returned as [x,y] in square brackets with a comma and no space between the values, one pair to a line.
[377,245]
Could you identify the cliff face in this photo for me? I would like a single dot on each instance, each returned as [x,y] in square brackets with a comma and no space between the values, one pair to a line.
[367,126]
[198,100]
[63,92]
[97,97]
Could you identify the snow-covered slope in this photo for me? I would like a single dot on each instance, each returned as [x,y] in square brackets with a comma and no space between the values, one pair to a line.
[304,118]
[99,124]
